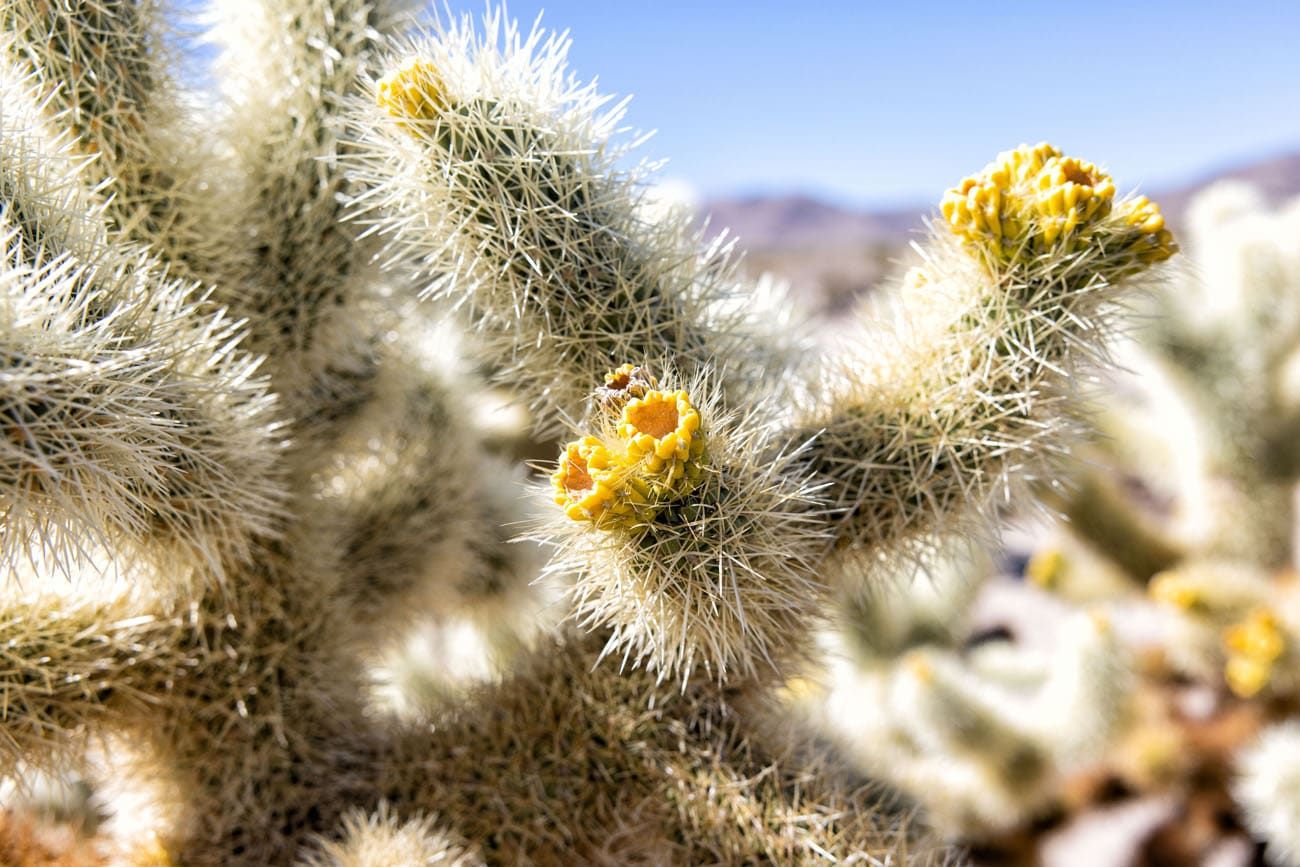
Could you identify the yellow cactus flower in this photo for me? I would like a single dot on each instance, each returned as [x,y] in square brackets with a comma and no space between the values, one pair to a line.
[1254,645]
[1155,242]
[599,485]
[660,459]
[1034,200]
[622,384]
[1028,196]
[663,430]
[1246,676]
[629,378]
[1046,568]
[1258,636]
[586,481]
[1176,590]
[412,92]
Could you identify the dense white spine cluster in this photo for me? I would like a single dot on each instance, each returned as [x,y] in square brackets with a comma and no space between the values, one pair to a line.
[315,303]
[1268,786]
[133,420]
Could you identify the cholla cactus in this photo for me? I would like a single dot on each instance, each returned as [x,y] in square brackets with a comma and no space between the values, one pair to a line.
[981,736]
[493,177]
[1236,624]
[1218,385]
[1269,789]
[245,547]
[133,421]
[1191,500]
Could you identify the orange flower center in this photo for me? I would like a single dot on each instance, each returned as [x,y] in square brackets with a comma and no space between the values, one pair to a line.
[657,419]
[576,477]
[1076,173]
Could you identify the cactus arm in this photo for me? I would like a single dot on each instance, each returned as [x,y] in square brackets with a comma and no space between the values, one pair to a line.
[69,671]
[302,277]
[102,71]
[495,178]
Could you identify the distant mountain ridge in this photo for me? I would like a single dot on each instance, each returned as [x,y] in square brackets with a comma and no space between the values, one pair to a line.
[802,221]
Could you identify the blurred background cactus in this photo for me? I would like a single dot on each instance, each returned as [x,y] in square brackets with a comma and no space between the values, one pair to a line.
[1182,517]
[390,477]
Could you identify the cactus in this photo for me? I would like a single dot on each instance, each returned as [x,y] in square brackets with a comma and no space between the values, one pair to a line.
[1217,357]
[379,839]
[981,736]
[1191,499]
[247,541]
[494,177]
[1268,787]
[134,423]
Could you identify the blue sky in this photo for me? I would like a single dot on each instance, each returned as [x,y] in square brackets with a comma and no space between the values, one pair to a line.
[884,103]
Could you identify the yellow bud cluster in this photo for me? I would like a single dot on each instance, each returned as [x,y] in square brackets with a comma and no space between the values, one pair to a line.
[413,92]
[622,384]
[1034,200]
[1155,243]
[1046,568]
[659,457]
[1177,590]
[1254,645]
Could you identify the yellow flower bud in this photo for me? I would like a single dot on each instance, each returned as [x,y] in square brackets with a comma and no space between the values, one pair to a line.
[621,384]
[1247,676]
[412,92]
[1155,243]
[1046,568]
[1176,590]
[1254,645]
[1032,201]
[1259,636]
